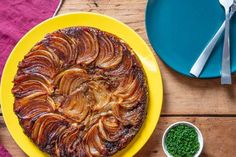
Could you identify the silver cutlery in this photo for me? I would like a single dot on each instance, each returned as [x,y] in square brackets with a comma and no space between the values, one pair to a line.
[225,70]
[202,59]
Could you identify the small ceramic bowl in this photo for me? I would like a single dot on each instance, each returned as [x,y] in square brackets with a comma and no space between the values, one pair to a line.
[200,138]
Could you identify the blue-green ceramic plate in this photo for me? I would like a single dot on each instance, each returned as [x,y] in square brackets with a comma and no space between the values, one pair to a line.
[180,29]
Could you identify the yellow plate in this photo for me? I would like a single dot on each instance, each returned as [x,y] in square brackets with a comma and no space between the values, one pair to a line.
[83,19]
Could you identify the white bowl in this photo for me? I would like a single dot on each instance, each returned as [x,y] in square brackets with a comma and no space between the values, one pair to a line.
[200,138]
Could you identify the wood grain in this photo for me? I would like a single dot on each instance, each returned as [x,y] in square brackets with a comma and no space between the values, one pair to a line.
[206,103]
[7,141]
[219,137]
[182,95]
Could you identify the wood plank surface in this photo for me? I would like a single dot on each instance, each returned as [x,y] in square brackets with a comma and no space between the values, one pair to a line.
[182,95]
[219,137]
[206,103]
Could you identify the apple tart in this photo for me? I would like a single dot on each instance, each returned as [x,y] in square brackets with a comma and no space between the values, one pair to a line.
[80,92]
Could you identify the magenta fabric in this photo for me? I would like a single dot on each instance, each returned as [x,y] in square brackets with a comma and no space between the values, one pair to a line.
[16,18]
[4,152]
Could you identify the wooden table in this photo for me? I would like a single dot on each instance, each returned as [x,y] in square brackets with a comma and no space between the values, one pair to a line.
[206,103]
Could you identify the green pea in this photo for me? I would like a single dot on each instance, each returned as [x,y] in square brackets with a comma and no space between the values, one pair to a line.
[182,141]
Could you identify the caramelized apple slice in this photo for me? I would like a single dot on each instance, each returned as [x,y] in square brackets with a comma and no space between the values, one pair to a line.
[126,116]
[88,47]
[30,111]
[49,138]
[123,68]
[110,128]
[60,47]
[109,55]
[48,133]
[38,64]
[64,49]
[52,56]
[42,103]
[60,147]
[43,46]
[77,106]
[69,143]
[69,80]
[71,44]
[129,92]
[43,122]
[22,77]
[94,145]
[101,95]
[30,89]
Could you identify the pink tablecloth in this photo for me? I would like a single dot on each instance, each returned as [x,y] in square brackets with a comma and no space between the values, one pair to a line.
[16,18]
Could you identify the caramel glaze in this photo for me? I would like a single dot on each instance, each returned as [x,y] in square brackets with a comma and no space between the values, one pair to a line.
[80,92]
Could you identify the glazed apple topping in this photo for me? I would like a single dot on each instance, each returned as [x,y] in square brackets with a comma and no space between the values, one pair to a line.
[80,92]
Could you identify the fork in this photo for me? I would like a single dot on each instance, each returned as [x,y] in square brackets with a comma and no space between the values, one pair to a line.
[225,70]
[202,59]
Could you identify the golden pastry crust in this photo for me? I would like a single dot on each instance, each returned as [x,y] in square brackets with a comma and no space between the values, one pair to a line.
[80,92]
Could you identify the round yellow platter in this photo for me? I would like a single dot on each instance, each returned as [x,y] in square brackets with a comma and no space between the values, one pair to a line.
[104,23]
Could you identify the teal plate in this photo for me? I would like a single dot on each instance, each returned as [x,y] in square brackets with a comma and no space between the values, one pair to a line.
[180,29]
